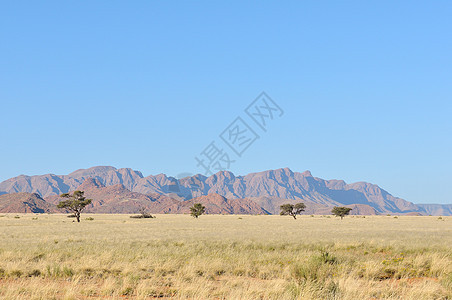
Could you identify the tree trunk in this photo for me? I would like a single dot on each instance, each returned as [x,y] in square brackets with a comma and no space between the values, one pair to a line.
[77,215]
[294,216]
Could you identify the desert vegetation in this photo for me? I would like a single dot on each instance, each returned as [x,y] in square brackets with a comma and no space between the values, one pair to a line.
[197,210]
[144,214]
[341,211]
[75,203]
[292,209]
[225,257]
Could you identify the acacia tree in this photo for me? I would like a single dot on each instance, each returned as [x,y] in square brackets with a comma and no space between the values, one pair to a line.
[75,203]
[292,210]
[341,211]
[197,209]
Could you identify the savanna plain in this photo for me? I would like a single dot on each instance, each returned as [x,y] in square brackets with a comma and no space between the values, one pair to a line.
[49,256]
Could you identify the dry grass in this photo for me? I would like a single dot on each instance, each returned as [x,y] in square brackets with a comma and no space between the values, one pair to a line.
[225,257]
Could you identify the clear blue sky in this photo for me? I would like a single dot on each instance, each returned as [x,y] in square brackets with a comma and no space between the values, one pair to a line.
[365,86]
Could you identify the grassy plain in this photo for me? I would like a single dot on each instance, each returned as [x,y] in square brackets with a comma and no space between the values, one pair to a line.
[225,257]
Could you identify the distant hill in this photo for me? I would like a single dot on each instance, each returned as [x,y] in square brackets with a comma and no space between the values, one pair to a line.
[24,203]
[267,189]
[436,209]
[217,204]
[118,199]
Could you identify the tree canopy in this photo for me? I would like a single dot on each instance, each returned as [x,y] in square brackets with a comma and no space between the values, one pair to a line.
[197,209]
[292,210]
[341,211]
[76,203]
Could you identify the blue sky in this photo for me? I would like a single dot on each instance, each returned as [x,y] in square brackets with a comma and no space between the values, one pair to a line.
[365,87]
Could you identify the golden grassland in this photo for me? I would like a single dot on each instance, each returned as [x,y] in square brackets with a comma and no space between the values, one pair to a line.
[225,257]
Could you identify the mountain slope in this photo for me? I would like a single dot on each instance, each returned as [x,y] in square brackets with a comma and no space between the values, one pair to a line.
[118,199]
[267,188]
[50,184]
[24,203]
[216,204]
[437,209]
[288,185]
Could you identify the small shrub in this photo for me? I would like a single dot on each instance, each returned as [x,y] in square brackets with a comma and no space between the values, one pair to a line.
[89,219]
[88,272]
[34,273]
[396,217]
[53,271]
[15,273]
[34,218]
[2,273]
[71,216]
[386,274]
[16,217]
[127,292]
[305,272]
[326,258]
[68,271]
[143,216]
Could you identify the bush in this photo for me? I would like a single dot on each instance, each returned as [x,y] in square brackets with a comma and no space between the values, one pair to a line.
[15,273]
[143,216]
[89,219]
[34,273]
[326,258]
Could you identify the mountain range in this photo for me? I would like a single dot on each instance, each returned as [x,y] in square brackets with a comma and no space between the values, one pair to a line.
[126,190]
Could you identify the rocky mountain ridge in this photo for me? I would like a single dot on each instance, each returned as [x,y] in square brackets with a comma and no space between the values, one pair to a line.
[268,189]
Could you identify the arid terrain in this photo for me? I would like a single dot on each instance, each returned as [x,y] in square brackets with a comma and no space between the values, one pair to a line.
[48,256]
[126,191]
